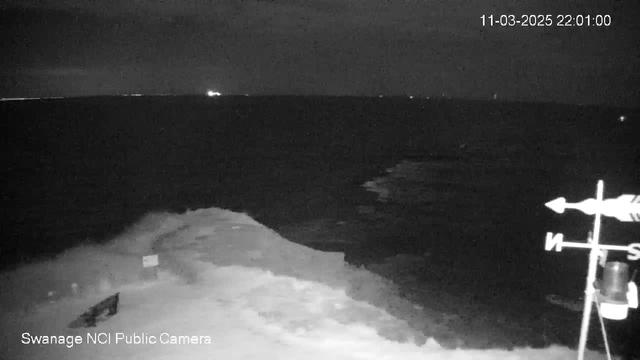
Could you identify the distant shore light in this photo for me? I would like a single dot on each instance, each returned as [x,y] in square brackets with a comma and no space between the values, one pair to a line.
[622,118]
[213,93]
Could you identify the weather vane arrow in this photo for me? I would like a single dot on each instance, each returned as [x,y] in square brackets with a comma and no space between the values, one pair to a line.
[624,208]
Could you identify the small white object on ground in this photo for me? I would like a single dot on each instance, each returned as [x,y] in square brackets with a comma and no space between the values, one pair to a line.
[150,260]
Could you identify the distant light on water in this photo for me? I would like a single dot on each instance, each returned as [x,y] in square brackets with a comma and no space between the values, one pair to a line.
[18,99]
[31,98]
[622,118]
[213,93]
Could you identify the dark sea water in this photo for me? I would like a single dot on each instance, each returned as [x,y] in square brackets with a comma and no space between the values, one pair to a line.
[477,177]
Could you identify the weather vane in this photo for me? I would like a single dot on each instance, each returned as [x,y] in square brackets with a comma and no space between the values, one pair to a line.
[615,293]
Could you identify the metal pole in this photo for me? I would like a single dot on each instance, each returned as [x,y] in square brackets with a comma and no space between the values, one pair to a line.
[600,247]
[591,275]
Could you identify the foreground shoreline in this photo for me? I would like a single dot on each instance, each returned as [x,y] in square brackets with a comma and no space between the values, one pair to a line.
[228,263]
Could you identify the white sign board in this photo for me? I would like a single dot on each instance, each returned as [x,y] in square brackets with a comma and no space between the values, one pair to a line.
[150,260]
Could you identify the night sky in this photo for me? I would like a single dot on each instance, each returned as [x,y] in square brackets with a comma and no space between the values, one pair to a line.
[326,47]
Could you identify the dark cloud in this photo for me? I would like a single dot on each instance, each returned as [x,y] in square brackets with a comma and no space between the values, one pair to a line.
[330,47]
